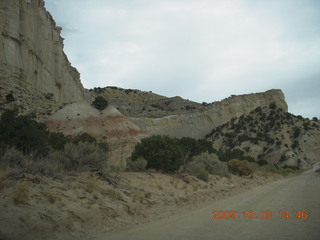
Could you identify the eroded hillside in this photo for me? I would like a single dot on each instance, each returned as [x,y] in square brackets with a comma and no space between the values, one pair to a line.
[271,134]
[137,103]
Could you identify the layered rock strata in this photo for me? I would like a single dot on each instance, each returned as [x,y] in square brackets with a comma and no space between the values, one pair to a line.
[199,124]
[108,126]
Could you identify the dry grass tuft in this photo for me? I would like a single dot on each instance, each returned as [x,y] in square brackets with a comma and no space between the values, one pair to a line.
[52,198]
[138,197]
[115,195]
[148,195]
[195,187]
[21,193]
[3,176]
[91,185]
[138,165]
[266,174]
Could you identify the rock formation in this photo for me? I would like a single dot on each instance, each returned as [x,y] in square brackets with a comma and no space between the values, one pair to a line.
[108,126]
[271,135]
[31,53]
[198,124]
[34,66]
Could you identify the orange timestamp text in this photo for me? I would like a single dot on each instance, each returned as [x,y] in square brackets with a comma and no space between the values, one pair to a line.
[264,214]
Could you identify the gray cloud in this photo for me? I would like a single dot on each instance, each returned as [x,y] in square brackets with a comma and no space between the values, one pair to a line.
[201,50]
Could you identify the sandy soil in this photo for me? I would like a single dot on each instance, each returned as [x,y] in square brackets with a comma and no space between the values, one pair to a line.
[81,205]
[297,198]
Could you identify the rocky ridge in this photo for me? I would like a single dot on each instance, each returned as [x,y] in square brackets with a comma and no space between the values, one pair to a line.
[270,135]
[197,124]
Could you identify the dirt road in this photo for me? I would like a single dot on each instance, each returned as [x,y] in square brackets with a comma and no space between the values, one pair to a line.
[301,193]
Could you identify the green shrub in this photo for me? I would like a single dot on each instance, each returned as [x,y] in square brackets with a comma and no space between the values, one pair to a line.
[168,154]
[84,156]
[83,137]
[10,97]
[197,169]
[295,144]
[161,152]
[100,103]
[11,157]
[57,141]
[238,167]
[296,132]
[24,133]
[273,106]
[283,158]
[193,147]
[211,163]
[137,165]
[46,166]
[262,162]
[30,163]
[29,136]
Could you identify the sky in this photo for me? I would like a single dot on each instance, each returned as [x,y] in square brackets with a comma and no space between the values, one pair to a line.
[201,50]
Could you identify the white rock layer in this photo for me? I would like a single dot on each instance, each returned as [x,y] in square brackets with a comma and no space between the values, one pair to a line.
[197,125]
[31,52]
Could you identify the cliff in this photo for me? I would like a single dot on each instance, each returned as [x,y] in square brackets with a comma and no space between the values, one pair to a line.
[34,66]
[31,53]
[199,124]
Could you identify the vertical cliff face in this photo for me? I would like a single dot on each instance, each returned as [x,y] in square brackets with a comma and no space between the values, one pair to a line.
[31,52]
[198,124]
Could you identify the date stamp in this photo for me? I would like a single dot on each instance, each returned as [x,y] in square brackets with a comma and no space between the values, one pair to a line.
[263,214]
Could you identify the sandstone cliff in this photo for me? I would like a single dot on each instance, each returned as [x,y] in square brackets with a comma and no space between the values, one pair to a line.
[31,53]
[198,124]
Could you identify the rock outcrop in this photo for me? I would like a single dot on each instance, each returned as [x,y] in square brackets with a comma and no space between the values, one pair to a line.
[199,124]
[270,135]
[34,66]
[108,126]
[31,53]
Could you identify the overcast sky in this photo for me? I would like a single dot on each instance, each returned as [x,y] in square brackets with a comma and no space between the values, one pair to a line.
[201,50]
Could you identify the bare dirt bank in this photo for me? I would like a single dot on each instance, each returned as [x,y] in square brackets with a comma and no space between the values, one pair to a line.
[82,205]
[292,207]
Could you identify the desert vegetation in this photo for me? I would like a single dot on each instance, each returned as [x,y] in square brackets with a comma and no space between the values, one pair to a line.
[168,154]
[197,158]
[100,103]
[204,164]
[39,168]
[266,133]
[28,146]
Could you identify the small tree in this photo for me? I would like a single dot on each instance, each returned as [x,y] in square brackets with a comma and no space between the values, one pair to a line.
[161,152]
[100,103]
[10,97]
[273,105]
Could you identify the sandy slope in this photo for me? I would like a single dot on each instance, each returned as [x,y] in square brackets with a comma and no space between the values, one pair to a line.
[293,195]
[81,205]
